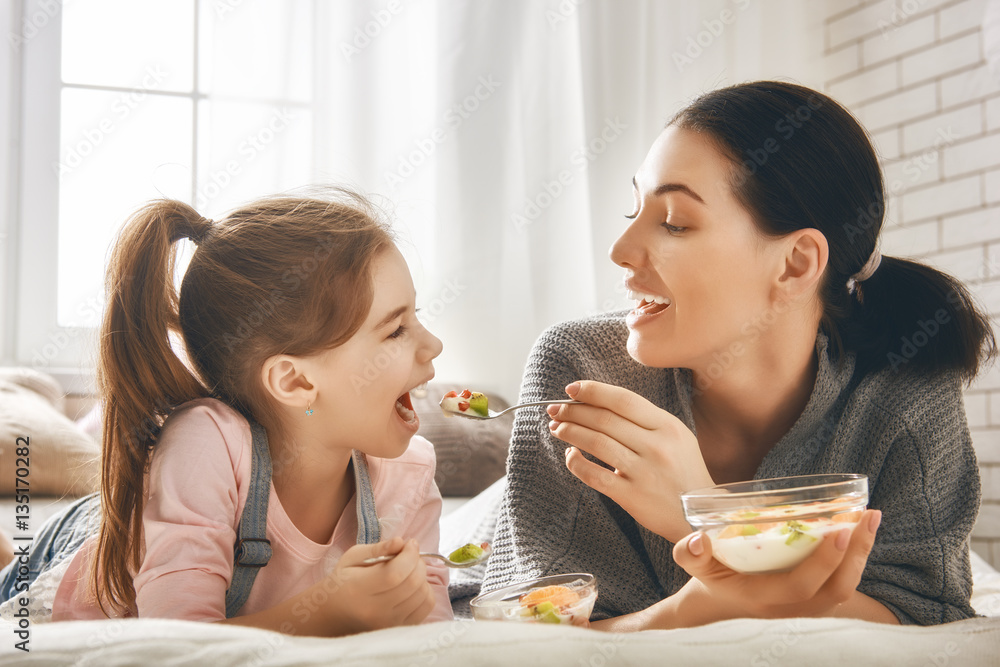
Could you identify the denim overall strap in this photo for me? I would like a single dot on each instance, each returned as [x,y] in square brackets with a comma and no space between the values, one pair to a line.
[253,549]
[369,531]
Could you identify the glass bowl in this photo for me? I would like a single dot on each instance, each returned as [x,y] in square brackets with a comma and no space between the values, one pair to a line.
[771,525]
[560,598]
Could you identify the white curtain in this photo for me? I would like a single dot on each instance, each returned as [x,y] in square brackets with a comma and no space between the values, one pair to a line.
[504,135]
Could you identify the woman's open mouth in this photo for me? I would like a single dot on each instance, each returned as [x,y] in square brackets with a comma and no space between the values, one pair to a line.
[649,304]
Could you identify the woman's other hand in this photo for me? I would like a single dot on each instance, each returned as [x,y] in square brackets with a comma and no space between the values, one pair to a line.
[824,584]
[654,455]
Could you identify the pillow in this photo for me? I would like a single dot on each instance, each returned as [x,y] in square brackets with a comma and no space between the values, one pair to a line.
[471,454]
[62,460]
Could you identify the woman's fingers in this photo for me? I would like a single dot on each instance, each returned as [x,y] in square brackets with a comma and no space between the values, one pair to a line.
[599,444]
[595,476]
[622,402]
[828,576]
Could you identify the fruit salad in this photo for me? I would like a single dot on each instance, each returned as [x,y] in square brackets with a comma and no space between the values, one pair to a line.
[772,525]
[557,599]
[468,552]
[763,545]
[468,403]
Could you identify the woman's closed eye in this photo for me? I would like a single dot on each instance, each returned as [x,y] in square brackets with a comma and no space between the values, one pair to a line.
[673,229]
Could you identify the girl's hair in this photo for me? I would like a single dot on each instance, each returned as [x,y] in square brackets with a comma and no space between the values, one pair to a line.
[283,275]
[800,160]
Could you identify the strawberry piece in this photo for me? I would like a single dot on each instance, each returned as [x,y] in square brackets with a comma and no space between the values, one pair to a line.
[463,405]
[451,394]
[466,394]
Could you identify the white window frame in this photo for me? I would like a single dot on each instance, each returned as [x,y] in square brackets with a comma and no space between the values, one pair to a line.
[31,335]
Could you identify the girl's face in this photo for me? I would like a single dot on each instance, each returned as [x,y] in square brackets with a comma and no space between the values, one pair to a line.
[696,256]
[363,385]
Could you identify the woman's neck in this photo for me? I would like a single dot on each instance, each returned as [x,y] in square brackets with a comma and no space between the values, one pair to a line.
[742,413]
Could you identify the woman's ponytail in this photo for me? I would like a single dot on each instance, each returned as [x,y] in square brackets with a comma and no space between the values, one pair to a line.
[910,316]
[141,380]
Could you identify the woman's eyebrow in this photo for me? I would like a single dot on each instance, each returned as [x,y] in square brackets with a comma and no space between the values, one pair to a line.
[664,188]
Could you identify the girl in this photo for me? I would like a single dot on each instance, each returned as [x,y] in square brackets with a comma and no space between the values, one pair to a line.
[290,445]
[769,338]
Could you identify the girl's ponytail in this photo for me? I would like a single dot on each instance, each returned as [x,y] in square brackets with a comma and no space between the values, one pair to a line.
[909,316]
[138,368]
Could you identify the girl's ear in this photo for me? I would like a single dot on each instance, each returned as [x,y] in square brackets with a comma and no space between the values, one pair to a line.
[285,379]
[805,258]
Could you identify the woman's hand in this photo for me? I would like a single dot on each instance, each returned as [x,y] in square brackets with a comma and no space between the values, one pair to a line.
[654,455]
[824,581]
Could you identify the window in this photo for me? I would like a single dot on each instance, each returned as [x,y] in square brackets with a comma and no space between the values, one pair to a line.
[205,101]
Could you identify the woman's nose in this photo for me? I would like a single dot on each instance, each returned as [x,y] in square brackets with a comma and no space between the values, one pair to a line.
[626,249]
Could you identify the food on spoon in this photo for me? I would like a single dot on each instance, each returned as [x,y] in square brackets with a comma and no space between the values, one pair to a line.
[468,552]
[471,403]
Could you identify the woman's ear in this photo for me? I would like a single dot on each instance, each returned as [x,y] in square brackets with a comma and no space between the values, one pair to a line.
[285,379]
[805,259]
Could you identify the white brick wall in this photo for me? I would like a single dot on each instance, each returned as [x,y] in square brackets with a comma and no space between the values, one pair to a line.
[914,72]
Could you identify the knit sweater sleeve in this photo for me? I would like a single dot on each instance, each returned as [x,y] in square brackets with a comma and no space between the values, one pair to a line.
[928,489]
[549,521]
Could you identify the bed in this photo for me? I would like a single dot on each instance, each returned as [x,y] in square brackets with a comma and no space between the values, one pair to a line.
[468,463]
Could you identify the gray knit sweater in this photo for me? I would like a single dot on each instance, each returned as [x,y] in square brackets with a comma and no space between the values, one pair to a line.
[906,432]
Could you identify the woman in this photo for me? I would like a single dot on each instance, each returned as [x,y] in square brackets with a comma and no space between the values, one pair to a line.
[769,338]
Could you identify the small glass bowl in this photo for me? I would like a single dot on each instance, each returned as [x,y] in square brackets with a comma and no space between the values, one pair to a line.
[571,604]
[771,525]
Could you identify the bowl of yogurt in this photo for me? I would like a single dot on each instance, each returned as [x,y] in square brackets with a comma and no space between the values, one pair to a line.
[771,525]
[561,598]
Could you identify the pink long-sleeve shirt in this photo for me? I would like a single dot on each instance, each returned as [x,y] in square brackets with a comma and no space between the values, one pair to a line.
[195,493]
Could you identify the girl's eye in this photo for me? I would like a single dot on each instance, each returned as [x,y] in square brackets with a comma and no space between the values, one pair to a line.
[673,229]
[400,331]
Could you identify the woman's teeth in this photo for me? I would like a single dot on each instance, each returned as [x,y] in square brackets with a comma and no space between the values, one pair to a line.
[648,298]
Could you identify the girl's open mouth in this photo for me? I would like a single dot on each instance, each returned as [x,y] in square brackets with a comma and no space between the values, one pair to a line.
[404,408]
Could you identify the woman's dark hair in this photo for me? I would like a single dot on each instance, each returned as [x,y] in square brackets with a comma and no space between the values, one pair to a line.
[802,161]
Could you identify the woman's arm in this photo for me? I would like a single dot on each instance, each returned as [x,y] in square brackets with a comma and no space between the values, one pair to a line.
[825,584]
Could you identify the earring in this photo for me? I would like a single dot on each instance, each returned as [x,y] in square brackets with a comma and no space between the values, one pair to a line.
[309,409]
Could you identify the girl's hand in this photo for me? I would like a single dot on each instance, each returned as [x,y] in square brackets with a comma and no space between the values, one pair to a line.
[828,578]
[654,455]
[371,597]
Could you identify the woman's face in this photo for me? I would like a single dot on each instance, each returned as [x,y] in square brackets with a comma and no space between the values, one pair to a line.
[695,255]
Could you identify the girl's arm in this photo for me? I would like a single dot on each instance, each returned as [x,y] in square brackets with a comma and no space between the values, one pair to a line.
[355,598]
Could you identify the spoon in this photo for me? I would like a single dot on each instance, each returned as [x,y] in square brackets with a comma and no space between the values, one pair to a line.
[493,414]
[487,551]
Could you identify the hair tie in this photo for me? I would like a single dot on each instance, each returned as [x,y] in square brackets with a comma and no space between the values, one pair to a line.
[200,229]
[866,271]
